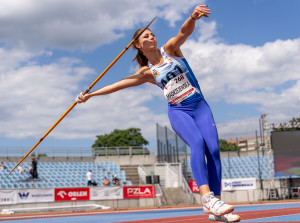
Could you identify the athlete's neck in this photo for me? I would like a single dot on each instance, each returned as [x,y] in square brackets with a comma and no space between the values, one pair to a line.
[154,57]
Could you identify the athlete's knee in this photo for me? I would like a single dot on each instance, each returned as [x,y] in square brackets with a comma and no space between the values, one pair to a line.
[197,143]
[215,151]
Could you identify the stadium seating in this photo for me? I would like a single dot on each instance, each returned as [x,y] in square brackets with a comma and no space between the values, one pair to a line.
[73,174]
[60,174]
[241,167]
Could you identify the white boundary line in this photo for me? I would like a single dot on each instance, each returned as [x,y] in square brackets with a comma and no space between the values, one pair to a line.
[127,211]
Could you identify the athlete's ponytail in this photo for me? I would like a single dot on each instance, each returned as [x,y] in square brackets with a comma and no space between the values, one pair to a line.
[140,57]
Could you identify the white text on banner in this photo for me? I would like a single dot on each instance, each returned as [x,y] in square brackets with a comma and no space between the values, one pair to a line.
[35,195]
[239,184]
[8,197]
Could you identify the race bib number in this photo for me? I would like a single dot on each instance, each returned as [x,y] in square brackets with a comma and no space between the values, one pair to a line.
[178,89]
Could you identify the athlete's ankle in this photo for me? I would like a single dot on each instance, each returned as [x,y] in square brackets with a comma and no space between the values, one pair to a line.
[207,197]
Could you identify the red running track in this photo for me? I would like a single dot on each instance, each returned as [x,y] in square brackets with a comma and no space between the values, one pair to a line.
[249,215]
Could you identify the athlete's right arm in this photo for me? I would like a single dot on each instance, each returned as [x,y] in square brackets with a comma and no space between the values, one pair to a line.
[143,75]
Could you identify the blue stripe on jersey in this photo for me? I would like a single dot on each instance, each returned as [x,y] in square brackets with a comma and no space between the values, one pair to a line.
[194,82]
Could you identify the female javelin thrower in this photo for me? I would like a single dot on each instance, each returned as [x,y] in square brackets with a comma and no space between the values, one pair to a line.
[189,114]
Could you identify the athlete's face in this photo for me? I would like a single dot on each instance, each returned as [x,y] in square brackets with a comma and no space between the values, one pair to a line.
[147,41]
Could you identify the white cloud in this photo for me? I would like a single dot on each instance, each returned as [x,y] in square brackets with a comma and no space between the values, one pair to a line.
[34,92]
[239,128]
[121,110]
[12,58]
[36,95]
[72,24]
[243,74]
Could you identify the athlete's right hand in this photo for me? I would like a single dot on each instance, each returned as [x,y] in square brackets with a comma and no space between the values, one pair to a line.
[81,98]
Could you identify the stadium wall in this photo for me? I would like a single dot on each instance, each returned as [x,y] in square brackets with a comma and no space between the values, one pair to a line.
[253,196]
[114,204]
[120,160]
[76,198]
[48,159]
[129,160]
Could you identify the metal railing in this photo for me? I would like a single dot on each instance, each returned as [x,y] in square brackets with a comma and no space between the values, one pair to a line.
[6,151]
[188,191]
[142,174]
[47,151]
[120,151]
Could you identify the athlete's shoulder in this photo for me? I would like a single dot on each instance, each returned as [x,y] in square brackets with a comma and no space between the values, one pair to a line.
[170,50]
[144,70]
[146,74]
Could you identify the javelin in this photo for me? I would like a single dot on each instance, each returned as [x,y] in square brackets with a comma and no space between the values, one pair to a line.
[86,91]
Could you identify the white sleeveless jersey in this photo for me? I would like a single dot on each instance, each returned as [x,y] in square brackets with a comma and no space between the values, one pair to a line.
[177,80]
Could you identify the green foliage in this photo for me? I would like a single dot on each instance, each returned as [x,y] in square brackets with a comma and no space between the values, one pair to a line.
[225,146]
[121,138]
[293,120]
[39,155]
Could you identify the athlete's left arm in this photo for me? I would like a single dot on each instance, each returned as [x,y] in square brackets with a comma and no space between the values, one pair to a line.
[172,47]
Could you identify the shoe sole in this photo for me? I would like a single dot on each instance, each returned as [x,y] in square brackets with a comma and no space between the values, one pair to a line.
[212,219]
[223,221]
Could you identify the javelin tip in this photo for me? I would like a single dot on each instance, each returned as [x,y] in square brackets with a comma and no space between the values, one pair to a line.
[145,28]
[151,22]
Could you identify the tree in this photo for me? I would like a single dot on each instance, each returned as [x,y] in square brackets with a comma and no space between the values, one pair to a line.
[39,155]
[295,120]
[225,146]
[118,138]
[292,126]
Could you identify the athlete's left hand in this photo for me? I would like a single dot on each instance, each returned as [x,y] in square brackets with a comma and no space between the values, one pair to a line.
[199,11]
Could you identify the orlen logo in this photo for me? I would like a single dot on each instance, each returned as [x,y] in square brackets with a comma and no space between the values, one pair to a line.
[78,194]
[62,194]
[66,194]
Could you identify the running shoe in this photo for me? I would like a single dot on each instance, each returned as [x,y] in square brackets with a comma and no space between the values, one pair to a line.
[225,218]
[213,205]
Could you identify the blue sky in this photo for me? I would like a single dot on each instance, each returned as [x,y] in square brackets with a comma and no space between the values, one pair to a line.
[245,56]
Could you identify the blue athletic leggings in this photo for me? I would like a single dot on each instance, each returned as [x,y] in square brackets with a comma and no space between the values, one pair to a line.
[195,125]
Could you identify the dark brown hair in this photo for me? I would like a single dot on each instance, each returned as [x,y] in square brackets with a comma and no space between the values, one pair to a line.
[140,57]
